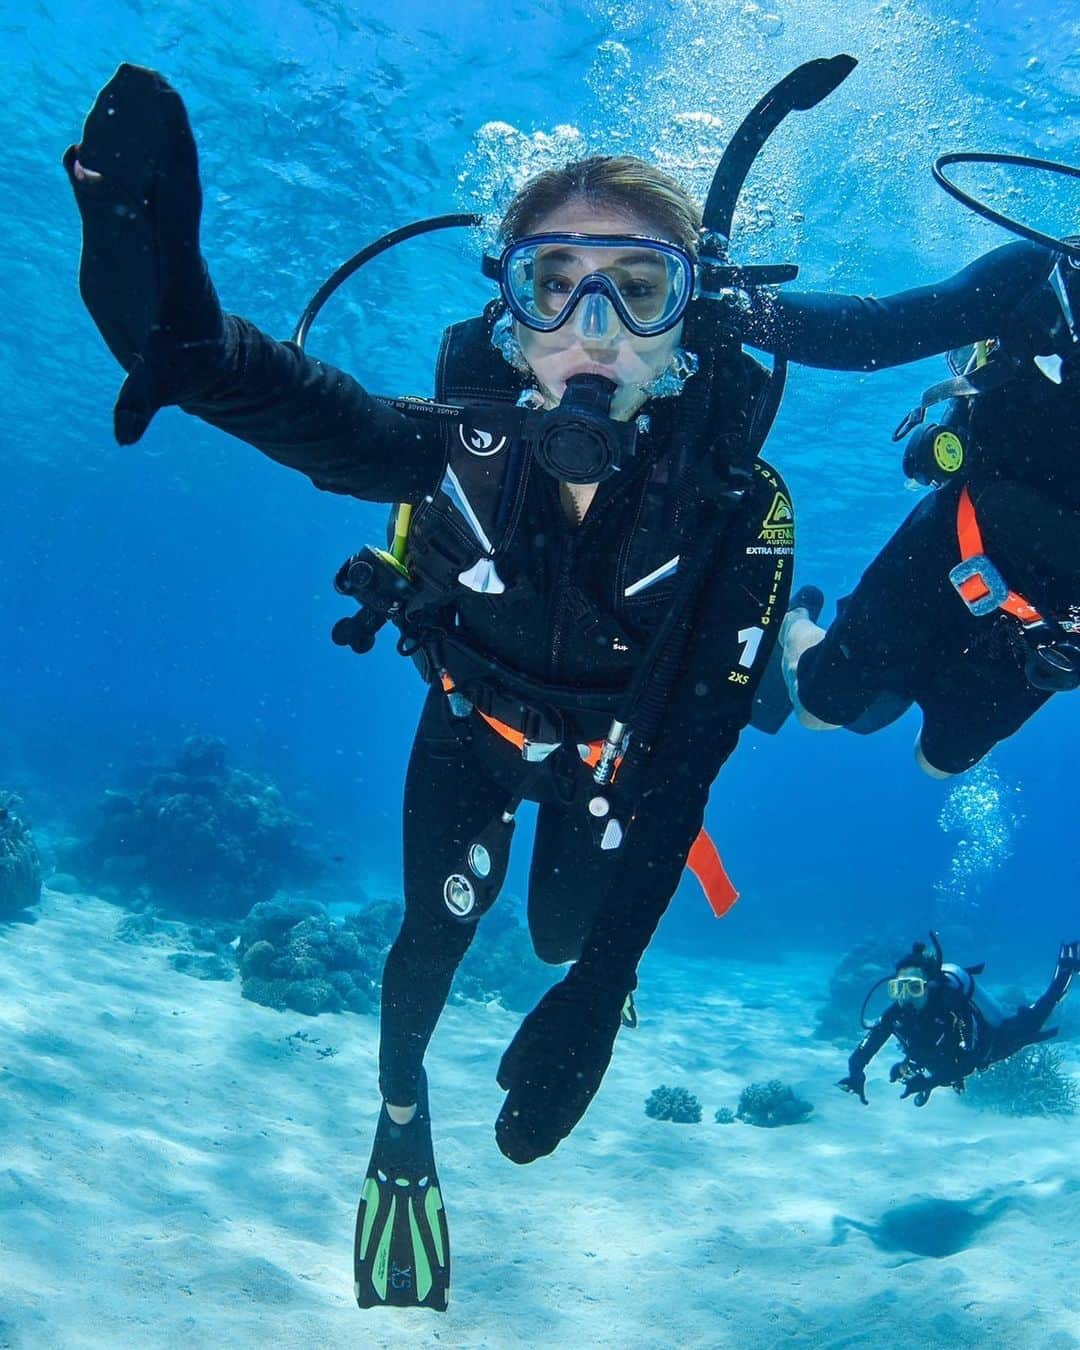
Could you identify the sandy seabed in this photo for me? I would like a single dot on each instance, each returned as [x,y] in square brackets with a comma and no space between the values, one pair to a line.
[180,1168]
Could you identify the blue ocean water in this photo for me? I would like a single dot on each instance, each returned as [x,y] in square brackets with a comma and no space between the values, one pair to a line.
[185,585]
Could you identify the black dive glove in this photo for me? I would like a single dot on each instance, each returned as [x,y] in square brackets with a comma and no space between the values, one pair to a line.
[554,1065]
[916,1083]
[919,1086]
[135,175]
[855,1083]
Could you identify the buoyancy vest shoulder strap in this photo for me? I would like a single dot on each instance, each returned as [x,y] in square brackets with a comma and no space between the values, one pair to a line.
[458,531]
[469,367]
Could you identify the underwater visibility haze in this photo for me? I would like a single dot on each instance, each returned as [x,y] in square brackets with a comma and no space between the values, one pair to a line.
[210,790]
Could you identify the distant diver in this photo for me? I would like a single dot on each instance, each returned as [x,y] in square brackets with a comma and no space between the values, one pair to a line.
[947,1025]
[589,569]
[972,608]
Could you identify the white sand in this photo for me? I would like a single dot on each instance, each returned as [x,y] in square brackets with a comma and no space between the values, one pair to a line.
[177,1172]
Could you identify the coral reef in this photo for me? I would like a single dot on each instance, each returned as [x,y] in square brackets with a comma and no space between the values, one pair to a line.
[865,963]
[204,951]
[20,866]
[1030,1083]
[294,955]
[771,1104]
[725,1116]
[502,965]
[198,838]
[673,1103]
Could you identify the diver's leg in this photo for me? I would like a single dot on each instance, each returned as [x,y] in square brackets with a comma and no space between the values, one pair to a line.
[889,634]
[974,700]
[1025,1026]
[401,1252]
[931,770]
[568,878]
[1068,963]
[449,797]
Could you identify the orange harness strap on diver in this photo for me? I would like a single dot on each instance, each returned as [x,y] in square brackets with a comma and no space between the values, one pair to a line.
[1052,659]
[703,859]
[978,582]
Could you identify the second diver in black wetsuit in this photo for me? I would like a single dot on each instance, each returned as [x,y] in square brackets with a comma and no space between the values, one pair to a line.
[597,563]
[947,1026]
[971,608]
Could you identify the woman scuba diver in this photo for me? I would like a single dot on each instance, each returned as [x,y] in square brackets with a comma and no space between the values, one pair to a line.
[947,1026]
[595,567]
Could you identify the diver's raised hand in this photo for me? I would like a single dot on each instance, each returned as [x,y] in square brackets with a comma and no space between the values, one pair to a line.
[135,175]
[554,1065]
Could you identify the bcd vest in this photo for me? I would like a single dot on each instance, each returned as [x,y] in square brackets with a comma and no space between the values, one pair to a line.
[459,533]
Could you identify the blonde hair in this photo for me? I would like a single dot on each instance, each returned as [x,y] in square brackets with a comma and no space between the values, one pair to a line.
[623,183]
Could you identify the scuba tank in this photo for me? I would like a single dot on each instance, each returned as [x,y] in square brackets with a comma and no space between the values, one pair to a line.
[962,978]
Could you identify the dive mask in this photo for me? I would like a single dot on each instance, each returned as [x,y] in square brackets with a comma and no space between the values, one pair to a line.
[907,986]
[545,277]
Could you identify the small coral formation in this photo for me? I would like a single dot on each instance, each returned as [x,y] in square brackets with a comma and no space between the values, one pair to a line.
[859,969]
[200,838]
[294,955]
[1030,1083]
[771,1104]
[20,866]
[673,1103]
[725,1116]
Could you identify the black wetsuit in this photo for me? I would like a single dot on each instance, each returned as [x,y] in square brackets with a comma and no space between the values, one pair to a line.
[904,634]
[600,908]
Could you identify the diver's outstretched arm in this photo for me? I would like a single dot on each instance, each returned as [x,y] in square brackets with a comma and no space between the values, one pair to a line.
[864,1052]
[135,175]
[850,332]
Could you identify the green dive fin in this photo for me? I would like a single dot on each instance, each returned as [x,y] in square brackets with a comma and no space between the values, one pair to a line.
[772,703]
[402,1250]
